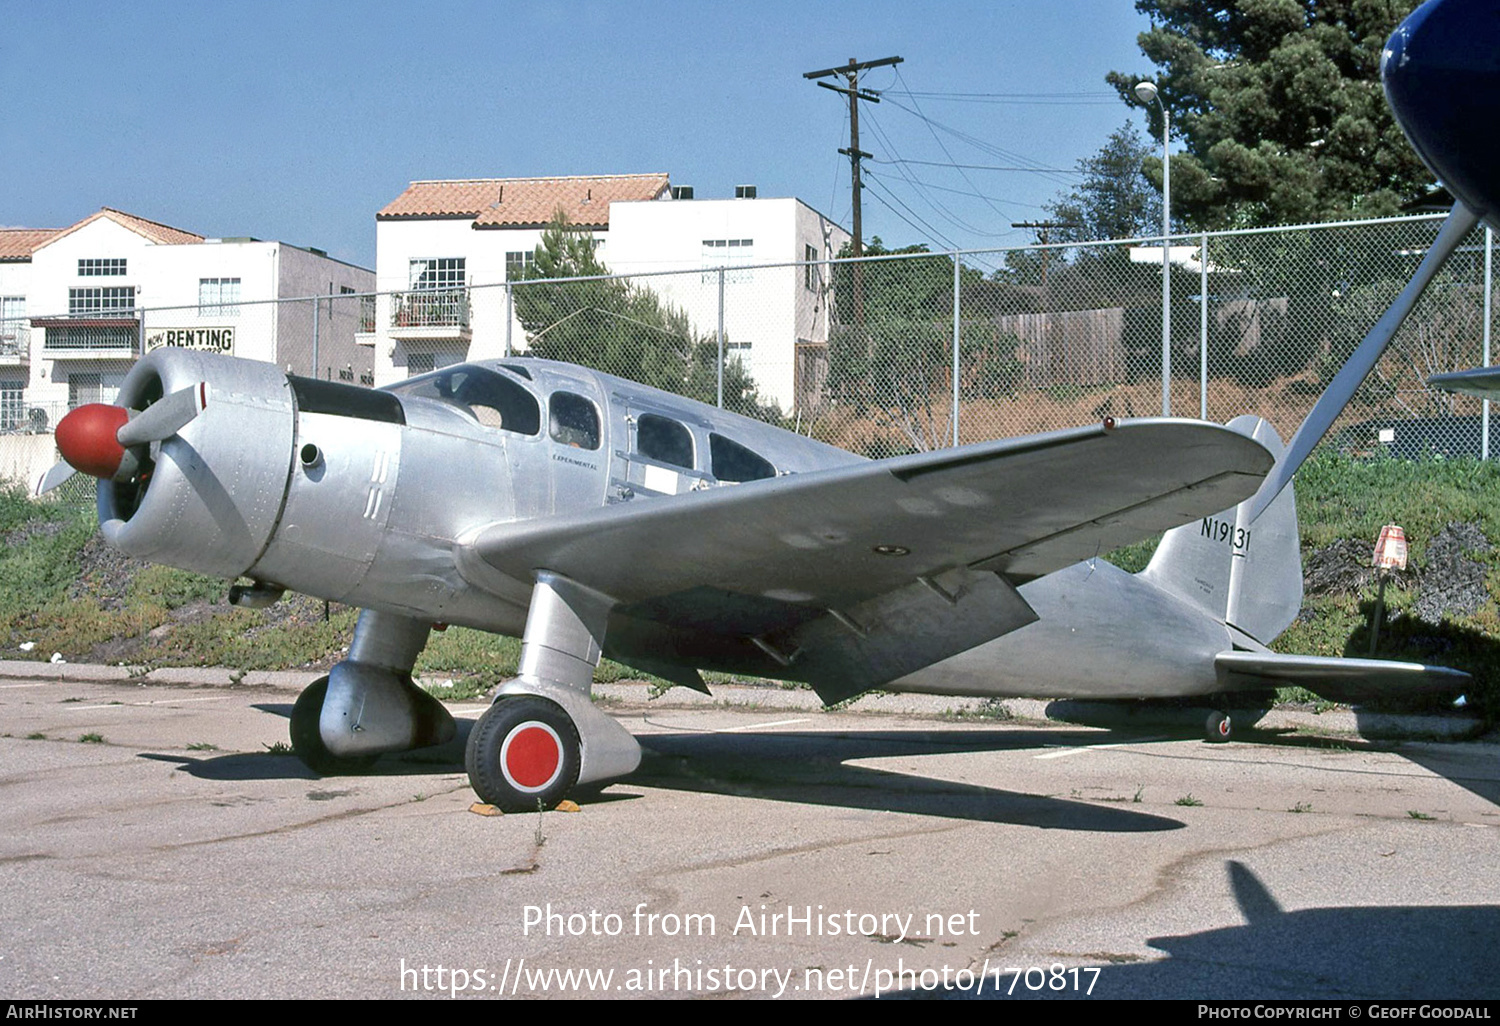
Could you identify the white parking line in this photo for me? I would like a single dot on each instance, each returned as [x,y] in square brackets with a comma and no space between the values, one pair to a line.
[1062,753]
[760,726]
[722,730]
[42,684]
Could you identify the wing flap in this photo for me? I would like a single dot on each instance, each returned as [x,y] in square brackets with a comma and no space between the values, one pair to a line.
[850,651]
[1338,679]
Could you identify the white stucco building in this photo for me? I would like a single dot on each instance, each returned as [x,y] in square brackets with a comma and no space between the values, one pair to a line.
[440,244]
[776,293]
[79,305]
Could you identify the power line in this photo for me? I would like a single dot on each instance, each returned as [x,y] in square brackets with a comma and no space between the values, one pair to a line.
[983,167]
[921,189]
[1083,99]
[983,146]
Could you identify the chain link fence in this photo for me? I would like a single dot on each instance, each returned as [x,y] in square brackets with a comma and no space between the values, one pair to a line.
[896,353]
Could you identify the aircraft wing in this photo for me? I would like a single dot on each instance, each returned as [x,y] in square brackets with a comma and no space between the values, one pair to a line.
[854,576]
[1482,381]
[1341,680]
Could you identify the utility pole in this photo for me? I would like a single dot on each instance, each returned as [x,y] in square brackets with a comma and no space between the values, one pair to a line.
[851,72]
[1042,228]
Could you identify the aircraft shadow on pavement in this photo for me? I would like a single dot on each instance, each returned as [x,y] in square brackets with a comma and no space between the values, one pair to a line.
[812,769]
[807,768]
[1183,719]
[283,765]
[1380,952]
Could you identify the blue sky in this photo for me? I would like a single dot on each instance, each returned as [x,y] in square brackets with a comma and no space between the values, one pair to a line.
[297,121]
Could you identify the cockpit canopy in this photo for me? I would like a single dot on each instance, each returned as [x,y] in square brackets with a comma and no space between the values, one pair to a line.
[491,398]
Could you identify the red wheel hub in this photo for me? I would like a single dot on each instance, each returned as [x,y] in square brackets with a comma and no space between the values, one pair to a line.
[532,756]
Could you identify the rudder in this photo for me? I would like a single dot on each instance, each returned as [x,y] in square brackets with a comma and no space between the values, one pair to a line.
[1246,574]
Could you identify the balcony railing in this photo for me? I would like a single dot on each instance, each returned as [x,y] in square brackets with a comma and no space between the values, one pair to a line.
[115,334]
[430,308]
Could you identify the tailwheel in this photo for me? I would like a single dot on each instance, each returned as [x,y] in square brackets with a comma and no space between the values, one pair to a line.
[1219,727]
[523,754]
[307,740]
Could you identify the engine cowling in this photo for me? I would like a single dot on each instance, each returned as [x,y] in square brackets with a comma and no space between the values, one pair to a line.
[209,496]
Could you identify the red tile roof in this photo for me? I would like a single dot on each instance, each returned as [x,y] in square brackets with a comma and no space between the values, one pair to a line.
[155,231]
[523,202]
[17,243]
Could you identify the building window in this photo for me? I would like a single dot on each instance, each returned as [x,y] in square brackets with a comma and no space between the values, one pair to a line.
[725,253]
[218,297]
[83,389]
[104,268]
[811,278]
[518,263]
[14,331]
[441,273]
[118,299]
[12,405]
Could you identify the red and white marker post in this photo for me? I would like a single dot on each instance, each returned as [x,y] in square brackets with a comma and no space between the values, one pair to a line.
[1390,553]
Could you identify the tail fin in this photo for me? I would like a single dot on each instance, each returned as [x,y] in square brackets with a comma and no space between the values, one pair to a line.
[1247,574]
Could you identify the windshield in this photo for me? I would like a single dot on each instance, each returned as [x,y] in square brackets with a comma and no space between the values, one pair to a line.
[492,399]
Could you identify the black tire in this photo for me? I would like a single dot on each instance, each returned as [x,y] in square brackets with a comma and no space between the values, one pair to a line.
[523,754]
[307,741]
[1219,728]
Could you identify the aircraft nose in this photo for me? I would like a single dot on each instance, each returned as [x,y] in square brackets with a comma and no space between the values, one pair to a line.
[1441,69]
[87,440]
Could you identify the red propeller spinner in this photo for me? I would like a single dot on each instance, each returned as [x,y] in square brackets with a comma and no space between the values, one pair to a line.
[87,438]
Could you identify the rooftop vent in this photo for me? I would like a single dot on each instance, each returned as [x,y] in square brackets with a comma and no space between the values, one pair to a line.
[682,192]
[744,192]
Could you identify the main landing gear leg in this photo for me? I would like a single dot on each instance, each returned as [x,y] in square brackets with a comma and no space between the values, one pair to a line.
[368,704]
[543,736]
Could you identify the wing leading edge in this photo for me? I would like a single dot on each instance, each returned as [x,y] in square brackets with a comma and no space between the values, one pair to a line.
[847,577]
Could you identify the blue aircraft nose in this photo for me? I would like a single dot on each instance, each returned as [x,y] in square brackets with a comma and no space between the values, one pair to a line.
[1442,78]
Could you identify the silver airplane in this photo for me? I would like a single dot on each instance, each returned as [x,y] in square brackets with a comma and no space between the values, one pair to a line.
[592,516]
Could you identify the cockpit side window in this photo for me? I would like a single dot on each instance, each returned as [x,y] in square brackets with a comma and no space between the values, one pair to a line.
[573,420]
[733,462]
[492,399]
[665,440]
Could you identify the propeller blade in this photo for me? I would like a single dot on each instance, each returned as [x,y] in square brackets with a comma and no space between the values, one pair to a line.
[1461,220]
[59,473]
[165,417]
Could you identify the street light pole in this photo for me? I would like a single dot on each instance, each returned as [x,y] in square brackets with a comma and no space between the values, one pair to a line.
[1148,94]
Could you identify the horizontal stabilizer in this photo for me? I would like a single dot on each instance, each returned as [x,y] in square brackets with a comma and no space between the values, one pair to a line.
[1482,381]
[1339,680]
